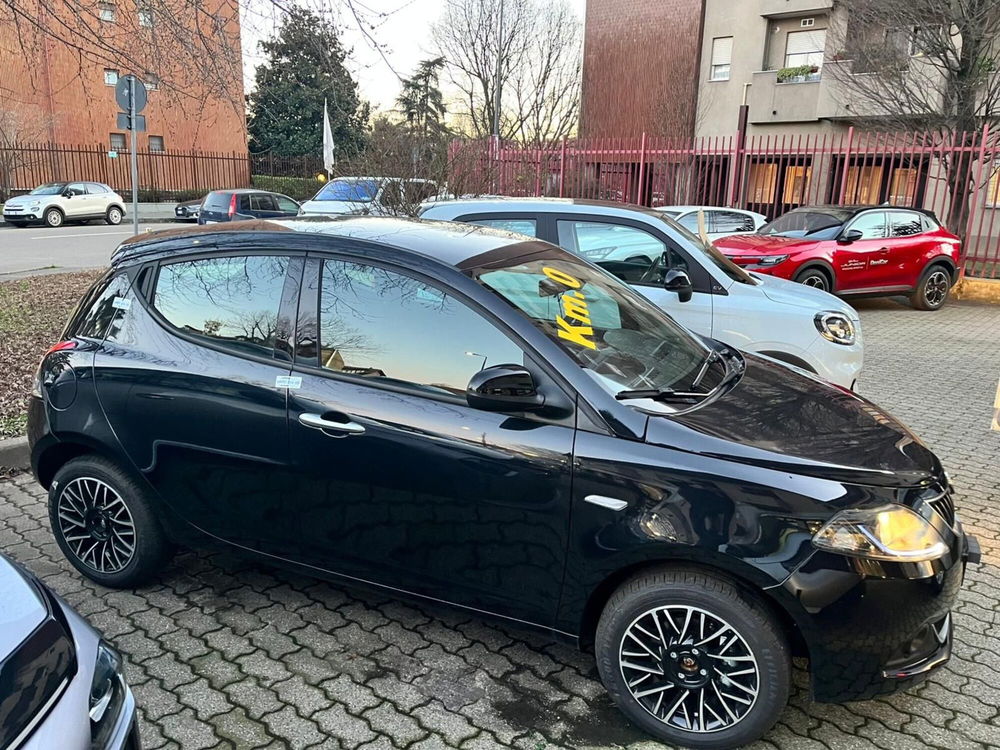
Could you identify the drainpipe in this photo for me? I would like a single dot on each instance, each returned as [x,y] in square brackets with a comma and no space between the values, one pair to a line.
[739,148]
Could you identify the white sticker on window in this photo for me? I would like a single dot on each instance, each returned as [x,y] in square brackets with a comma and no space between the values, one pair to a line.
[121,303]
[287,381]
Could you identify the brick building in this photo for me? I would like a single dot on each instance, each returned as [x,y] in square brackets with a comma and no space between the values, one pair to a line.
[640,67]
[53,92]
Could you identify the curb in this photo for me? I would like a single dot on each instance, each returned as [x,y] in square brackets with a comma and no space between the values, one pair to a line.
[978,290]
[14,453]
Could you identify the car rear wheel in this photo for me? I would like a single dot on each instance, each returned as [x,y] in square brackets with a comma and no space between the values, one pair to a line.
[104,523]
[114,216]
[693,660]
[54,217]
[814,277]
[933,289]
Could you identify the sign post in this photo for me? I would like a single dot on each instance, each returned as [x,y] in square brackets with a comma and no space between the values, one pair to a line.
[130,93]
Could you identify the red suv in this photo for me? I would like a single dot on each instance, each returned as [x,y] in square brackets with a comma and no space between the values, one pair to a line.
[855,250]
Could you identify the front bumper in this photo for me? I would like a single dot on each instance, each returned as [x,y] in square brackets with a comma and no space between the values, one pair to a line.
[873,627]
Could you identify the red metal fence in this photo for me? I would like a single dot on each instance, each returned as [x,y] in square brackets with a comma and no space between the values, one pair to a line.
[957,176]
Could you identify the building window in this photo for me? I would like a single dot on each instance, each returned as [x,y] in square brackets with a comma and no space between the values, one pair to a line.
[145,15]
[805,49]
[761,183]
[863,184]
[903,187]
[722,58]
[156,143]
[110,77]
[993,189]
[796,184]
[106,12]
[151,82]
[117,141]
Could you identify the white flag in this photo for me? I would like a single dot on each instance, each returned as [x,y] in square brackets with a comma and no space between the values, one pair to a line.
[328,158]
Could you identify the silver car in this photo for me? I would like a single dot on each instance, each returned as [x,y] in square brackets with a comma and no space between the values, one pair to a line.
[62,685]
[55,203]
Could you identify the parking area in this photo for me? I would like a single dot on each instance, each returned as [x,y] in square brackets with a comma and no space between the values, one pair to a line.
[223,653]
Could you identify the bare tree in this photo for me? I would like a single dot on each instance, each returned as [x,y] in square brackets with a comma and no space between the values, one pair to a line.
[19,124]
[931,65]
[539,47]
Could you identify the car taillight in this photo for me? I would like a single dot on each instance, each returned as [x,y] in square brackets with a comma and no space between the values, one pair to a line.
[232,205]
[60,347]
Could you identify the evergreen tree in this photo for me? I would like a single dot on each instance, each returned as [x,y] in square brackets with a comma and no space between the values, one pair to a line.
[421,101]
[304,66]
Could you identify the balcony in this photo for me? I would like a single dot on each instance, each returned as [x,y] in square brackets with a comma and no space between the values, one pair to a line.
[782,8]
[794,101]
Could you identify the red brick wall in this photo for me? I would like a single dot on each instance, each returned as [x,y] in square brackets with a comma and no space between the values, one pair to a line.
[640,67]
[59,95]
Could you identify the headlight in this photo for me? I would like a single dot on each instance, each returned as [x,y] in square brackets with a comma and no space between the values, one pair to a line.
[835,327]
[889,532]
[107,694]
[772,260]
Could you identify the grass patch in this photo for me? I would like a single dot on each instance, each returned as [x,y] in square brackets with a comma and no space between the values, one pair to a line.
[33,312]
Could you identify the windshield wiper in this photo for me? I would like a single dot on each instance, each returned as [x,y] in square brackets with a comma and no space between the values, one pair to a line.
[712,355]
[657,394]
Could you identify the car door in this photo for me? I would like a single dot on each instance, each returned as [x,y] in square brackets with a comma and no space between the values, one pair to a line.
[406,485]
[74,200]
[907,248]
[191,380]
[862,263]
[98,198]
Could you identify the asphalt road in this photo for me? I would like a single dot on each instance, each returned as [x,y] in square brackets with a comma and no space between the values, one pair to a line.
[32,250]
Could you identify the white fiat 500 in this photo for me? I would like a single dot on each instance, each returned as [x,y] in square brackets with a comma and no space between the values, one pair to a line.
[55,203]
[688,278]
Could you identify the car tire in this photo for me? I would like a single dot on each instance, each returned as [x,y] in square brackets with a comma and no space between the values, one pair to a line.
[933,288]
[113,216]
[678,604]
[814,277]
[96,510]
[53,218]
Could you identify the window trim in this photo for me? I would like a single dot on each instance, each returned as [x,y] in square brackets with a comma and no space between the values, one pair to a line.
[205,253]
[314,269]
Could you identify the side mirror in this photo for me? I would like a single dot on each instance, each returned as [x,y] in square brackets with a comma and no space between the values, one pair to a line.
[851,235]
[503,388]
[678,281]
[67,194]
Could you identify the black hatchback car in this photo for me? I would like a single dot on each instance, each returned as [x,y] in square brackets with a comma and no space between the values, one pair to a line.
[239,205]
[473,417]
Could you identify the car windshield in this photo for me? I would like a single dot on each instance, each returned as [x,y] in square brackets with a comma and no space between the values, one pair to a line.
[819,225]
[51,188]
[710,252]
[617,336]
[354,191]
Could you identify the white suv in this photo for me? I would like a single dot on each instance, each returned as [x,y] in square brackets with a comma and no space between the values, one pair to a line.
[694,282]
[55,203]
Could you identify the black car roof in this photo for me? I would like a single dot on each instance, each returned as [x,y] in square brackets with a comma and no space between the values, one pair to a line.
[447,242]
[856,208]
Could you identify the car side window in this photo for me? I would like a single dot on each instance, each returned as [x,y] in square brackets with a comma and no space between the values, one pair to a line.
[520,226]
[245,203]
[94,188]
[731,221]
[75,188]
[392,328]
[99,309]
[631,254]
[872,225]
[232,301]
[287,204]
[905,223]
[690,222]
[262,202]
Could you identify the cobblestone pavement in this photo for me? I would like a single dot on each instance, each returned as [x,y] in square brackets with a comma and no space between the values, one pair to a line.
[224,653]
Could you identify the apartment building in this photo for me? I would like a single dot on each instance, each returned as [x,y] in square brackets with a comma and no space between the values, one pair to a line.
[54,89]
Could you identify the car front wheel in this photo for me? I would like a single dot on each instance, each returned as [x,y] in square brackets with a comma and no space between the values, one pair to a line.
[54,217]
[815,278]
[114,216]
[933,289]
[104,523]
[693,660]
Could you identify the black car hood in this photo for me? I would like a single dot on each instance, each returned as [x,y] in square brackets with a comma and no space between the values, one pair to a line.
[781,419]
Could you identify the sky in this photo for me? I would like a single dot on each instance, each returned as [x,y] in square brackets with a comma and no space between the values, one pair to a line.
[401,29]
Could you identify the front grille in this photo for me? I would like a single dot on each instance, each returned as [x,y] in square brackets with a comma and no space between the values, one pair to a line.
[940,499]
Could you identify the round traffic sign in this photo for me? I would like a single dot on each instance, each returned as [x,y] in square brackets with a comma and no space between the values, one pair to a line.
[123,94]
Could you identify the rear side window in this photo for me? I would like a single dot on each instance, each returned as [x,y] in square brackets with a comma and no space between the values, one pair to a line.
[232,301]
[521,226]
[905,224]
[96,188]
[262,202]
[731,221]
[217,201]
[97,310]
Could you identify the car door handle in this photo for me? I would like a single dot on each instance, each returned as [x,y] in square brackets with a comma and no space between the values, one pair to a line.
[316,421]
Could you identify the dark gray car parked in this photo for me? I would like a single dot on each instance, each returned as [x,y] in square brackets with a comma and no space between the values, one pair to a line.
[245,203]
